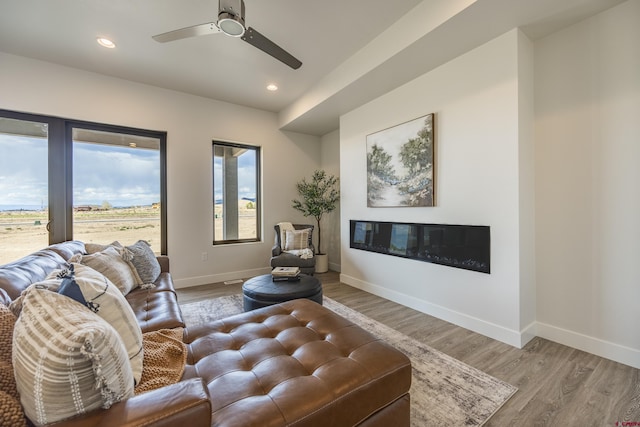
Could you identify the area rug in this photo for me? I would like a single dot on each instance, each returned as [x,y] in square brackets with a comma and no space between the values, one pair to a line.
[444,391]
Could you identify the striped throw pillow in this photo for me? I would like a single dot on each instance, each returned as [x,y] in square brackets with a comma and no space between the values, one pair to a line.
[297,239]
[67,360]
[112,264]
[108,302]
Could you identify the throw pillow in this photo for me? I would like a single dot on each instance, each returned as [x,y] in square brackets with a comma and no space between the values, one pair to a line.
[103,298]
[145,262]
[51,283]
[297,239]
[92,248]
[67,360]
[112,264]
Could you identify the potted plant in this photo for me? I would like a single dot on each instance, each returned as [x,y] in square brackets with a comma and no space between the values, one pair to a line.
[319,196]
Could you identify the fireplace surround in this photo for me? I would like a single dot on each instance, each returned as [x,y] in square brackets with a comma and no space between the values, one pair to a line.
[459,246]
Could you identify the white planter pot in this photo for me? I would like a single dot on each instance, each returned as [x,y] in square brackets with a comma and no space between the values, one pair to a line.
[322,263]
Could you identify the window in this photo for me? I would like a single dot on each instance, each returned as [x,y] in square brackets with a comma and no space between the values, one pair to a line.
[116,187]
[236,193]
[62,180]
[24,189]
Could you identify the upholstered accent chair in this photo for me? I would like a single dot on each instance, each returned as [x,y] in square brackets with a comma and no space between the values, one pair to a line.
[283,254]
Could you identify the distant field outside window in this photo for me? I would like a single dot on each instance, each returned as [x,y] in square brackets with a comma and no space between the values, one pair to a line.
[23,188]
[236,201]
[116,188]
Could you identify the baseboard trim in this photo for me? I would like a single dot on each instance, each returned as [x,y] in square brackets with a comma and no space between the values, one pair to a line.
[608,350]
[500,333]
[528,333]
[218,278]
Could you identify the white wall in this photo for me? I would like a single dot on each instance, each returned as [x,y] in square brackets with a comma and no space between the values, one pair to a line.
[330,162]
[526,166]
[192,123]
[476,99]
[587,107]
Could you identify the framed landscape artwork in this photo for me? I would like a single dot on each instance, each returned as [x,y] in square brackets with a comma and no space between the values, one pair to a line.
[400,165]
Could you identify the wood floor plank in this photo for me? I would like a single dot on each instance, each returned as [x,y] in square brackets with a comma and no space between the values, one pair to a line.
[558,385]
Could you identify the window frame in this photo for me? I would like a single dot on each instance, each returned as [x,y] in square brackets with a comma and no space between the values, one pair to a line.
[258,182]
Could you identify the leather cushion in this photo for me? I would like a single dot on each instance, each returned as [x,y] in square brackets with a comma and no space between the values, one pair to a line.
[294,363]
[19,275]
[155,309]
[68,249]
[287,260]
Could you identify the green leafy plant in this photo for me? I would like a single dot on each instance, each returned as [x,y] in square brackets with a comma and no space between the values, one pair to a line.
[319,195]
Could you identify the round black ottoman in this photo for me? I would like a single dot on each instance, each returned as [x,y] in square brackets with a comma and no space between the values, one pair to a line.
[262,291]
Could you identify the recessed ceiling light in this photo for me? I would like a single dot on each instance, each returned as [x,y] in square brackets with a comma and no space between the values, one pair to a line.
[106,43]
[272,87]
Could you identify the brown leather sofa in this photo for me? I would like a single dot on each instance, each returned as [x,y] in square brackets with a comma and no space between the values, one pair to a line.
[291,364]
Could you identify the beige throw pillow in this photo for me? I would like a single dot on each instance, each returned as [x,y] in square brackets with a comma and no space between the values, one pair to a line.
[296,240]
[67,359]
[112,264]
[104,299]
[93,248]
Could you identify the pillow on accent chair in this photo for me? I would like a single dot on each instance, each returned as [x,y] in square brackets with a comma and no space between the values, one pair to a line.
[296,240]
[113,265]
[101,296]
[67,360]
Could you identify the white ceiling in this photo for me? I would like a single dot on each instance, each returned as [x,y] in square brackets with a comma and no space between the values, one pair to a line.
[352,50]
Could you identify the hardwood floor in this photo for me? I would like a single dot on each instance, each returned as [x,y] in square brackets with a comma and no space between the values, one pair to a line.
[558,385]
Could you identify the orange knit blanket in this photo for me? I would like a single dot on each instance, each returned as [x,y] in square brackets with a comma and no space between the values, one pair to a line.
[165,356]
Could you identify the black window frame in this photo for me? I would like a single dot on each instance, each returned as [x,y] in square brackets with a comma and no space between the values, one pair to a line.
[258,202]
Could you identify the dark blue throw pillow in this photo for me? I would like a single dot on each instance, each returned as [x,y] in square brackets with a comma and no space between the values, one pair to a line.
[70,288]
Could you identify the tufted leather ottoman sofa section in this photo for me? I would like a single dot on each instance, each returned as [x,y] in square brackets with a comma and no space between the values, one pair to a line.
[298,364]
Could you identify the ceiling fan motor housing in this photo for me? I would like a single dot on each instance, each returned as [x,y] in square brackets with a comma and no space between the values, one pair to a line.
[231,17]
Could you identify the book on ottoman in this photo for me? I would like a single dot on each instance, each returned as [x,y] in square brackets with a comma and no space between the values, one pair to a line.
[285,273]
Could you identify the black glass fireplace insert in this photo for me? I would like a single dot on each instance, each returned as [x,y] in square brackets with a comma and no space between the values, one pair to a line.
[460,246]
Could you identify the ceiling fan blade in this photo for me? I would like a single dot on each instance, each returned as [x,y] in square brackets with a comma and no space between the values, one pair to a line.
[183,33]
[256,39]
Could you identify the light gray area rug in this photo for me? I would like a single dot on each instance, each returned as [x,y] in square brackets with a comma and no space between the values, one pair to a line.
[444,391]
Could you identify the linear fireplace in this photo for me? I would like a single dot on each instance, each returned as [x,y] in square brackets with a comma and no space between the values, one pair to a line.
[460,246]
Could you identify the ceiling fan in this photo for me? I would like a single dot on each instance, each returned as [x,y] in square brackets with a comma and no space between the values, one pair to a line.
[231,22]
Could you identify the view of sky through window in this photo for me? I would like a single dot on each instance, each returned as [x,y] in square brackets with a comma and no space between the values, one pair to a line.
[23,173]
[121,176]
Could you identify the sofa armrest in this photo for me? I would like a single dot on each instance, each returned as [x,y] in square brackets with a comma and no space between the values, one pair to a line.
[276,250]
[185,403]
[163,260]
